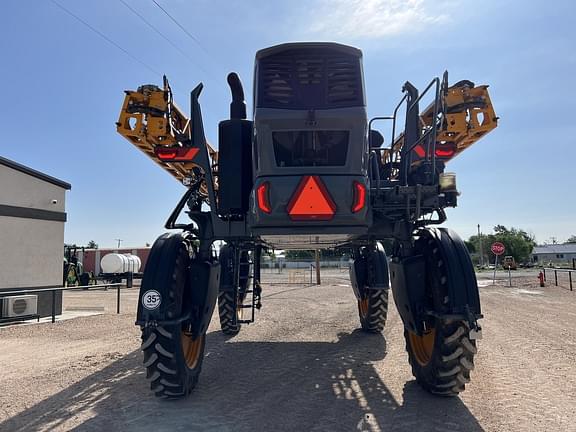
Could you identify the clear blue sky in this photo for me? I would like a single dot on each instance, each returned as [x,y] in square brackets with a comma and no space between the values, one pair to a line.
[63,88]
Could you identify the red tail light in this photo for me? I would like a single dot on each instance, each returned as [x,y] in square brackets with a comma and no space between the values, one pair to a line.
[311,201]
[262,198]
[445,153]
[359,197]
[176,154]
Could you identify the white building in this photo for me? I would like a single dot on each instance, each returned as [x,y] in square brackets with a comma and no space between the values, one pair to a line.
[32,217]
[554,254]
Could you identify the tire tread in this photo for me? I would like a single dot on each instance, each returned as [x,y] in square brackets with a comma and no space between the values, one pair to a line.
[375,318]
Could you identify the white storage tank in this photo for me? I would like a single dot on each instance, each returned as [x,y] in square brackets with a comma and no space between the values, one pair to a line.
[119,263]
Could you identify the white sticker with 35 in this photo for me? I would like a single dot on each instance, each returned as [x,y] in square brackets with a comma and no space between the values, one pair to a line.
[151,299]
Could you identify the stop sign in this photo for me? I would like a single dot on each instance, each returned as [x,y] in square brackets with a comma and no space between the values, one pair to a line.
[497,248]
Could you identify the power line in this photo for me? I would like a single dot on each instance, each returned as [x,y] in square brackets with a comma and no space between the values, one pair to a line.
[162,35]
[181,26]
[106,38]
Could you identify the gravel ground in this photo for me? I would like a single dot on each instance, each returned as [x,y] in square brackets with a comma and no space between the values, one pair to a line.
[303,366]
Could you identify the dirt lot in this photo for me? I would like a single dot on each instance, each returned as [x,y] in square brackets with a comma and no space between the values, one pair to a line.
[302,366]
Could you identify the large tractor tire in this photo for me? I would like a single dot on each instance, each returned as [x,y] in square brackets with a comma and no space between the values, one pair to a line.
[230,311]
[443,356]
[231,296]
[369,279]
[173,360]
[372,310]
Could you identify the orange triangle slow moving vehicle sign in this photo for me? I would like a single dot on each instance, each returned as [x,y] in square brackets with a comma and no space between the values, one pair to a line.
[311,201]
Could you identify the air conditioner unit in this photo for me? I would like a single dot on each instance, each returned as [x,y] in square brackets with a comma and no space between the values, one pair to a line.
[19,306]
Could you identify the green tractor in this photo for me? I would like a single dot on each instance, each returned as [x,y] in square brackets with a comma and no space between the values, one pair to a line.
[74,273]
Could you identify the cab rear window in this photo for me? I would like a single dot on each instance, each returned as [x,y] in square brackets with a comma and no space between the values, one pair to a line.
[310,148]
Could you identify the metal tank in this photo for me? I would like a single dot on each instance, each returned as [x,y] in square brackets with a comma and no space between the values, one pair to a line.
[119,263]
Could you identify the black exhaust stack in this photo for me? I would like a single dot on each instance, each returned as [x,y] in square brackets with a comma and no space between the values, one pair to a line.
[235,156]
[238,104]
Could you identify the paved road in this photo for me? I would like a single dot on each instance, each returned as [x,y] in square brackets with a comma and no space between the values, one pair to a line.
[302,367]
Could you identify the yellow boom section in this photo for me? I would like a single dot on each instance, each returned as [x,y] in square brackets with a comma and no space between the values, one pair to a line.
[467,115]
[149,118]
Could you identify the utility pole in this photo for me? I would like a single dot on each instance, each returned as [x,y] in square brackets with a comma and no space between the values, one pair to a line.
[119,241]
[480,246]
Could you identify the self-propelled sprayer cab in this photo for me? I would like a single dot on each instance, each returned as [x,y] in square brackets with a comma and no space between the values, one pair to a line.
[310,145]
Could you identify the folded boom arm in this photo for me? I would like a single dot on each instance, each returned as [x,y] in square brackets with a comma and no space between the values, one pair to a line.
[464,116]
[151,121]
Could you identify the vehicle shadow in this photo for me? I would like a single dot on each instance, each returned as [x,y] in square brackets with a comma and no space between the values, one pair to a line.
[253,386]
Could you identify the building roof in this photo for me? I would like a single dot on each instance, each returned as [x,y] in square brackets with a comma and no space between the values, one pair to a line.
[32,172]
[567,248]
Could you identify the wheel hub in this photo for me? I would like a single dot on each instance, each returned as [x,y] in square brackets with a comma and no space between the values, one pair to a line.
[363,306]
[191,349]
[423,346]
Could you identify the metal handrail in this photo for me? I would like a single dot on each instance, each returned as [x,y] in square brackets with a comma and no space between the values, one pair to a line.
[569,271]
[433,129]
[394,129]
[61,288]
[429,137]
[394,124]
[57,288]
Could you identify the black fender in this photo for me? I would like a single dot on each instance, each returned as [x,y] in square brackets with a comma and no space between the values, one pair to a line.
[369,271]
[204,282]
[226,260]
[463,286]
[155,307]
[409,276]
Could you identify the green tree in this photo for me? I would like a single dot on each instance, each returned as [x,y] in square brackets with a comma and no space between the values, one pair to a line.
[517,242]
[571,239]
[92,245]
[299,254]
[333,254]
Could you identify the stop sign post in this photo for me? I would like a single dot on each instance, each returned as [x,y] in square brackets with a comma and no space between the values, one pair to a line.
[497,249]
